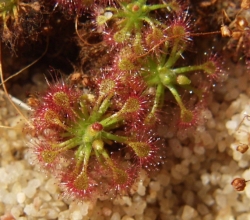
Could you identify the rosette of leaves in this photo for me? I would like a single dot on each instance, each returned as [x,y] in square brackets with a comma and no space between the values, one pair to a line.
[92,133]
[130,19]
[162,69]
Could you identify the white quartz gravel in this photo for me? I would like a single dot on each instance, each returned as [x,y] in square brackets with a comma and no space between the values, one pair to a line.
[193,183]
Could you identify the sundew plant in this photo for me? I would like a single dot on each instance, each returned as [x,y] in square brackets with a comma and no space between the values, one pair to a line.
[96,135]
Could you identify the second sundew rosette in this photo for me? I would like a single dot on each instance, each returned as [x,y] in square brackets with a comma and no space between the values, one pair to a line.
[164,69]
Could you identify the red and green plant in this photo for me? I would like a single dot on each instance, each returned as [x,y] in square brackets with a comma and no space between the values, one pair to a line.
[96,140]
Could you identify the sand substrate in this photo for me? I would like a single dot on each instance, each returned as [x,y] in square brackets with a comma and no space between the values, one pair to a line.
[194,182]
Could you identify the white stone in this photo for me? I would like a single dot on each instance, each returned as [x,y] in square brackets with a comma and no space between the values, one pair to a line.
[199,150]
[52,214]
[20,197]
[141,190]
[116,216]
[202,209]
[227,188]
[208,200]
[84,207]
[126,200]
[45,196]
[215,178]
[136,208]
[232,125]
[205,178]
[3,175]
[225,214]
[154,186]
[51,186]
[30,210]
[247,190]
[246,174]
[106,211]
[127,218]
[16,211]
[188,213]
[30,190]
[76,215]
[63,215]
[221,200]
[9,198]
[243,163]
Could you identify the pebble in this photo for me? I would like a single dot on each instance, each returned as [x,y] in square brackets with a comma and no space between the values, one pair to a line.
[246,174]
[9,198]
[116,216]
[76,215]
[16,211]
[215,178]
[106,211]
[141,190]
[232,125]
[199,150]
[243,164]
[205,178]
[20,197]
[202,209]
[155,186]
[136,208]
[30,190]
[84,206]
[189,213]
[30,210]
[247,190]
[51,186]
[64,215]
[52,214]
[221,200]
